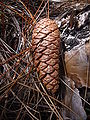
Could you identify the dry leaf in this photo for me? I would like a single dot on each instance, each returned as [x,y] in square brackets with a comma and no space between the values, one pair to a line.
[77,65]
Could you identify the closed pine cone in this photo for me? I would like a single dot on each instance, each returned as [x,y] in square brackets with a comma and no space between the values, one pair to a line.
[46,47]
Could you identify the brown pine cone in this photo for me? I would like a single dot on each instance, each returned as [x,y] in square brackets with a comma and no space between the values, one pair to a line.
[46,46]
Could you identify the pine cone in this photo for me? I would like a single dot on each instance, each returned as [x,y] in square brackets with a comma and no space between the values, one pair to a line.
[46,47]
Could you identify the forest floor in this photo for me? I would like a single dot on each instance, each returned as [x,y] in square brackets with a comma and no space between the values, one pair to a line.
[22,94]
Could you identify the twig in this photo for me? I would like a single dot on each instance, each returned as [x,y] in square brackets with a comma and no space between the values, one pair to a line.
[48,9]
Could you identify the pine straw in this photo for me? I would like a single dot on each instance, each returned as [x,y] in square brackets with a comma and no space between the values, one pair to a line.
[22,95]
